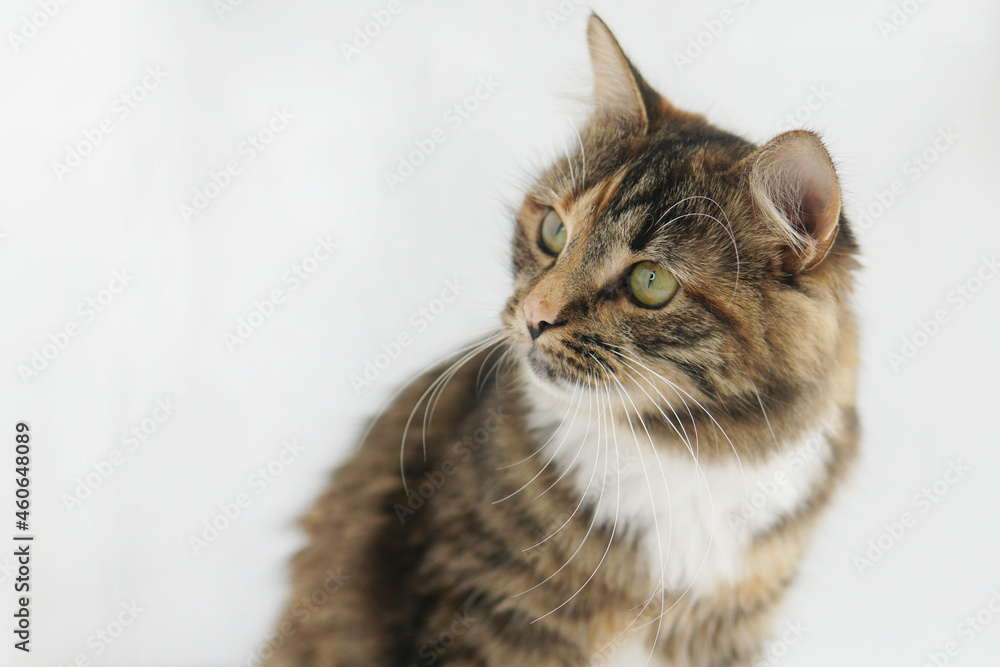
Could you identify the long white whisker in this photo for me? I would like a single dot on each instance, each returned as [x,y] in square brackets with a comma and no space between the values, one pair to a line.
[583,496]
[392,399]
[622,395]
[614,527]
[728,227]
[683,436]
[555,453]
[572,463]
[583,156]
[702,476]
[555,432]
[718,426]
[442,378]
[479,375]
[593,521]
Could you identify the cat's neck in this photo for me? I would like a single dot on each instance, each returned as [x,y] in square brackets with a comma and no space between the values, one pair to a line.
[693,514]
[679,423]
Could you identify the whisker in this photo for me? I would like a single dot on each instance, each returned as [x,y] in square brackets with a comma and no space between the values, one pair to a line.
[583,156]
[593,521]
[728,227]
[555,453]
[622,395]
[683,436]
[439,392]
[555,432]
[583,441]
[701,473]
[583,496]
[614,527]
[475,349]
[479,375]
[719,427]
[703,478]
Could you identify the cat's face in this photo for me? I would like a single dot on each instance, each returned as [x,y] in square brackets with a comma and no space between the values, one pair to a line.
[668,257]
[634,270]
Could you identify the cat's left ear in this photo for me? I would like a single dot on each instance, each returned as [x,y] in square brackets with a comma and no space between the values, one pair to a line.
[795,188]
[620,92]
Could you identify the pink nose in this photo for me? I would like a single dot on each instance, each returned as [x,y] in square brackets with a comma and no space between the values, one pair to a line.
[539,315]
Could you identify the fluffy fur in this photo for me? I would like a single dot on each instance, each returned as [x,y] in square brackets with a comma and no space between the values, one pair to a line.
[631,481]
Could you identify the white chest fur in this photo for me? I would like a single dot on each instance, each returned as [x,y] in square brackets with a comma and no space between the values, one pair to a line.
[693,520]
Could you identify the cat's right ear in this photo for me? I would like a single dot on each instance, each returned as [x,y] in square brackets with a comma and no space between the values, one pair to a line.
[795,189]
[620,93]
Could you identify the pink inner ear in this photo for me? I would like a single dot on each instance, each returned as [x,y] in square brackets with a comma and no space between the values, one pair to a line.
[819,197]
[796,186]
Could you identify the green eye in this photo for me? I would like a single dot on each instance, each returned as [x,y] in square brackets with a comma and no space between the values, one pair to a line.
[651,284]
[553,233]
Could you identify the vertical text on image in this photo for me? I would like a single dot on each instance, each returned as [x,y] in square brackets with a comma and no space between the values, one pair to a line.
[22,541]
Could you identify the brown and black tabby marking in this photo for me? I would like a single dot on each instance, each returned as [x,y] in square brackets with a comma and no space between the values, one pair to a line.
[488,553]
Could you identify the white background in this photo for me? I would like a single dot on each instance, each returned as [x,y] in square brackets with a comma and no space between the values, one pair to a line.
[162,336]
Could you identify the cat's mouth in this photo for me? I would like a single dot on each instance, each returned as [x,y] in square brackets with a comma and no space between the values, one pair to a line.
[555,369]
[547,375]
[555,360]
[542,367]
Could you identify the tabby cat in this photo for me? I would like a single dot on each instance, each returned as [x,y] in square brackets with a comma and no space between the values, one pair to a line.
[629,470]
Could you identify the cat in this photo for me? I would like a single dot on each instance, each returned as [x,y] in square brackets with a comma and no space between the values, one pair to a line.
[628,472]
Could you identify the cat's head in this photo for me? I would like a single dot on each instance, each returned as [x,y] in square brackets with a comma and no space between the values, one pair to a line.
[665,251]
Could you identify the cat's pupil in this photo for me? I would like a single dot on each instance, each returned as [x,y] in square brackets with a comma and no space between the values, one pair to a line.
[652,277]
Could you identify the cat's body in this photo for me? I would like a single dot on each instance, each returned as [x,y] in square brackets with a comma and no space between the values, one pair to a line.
[636,478]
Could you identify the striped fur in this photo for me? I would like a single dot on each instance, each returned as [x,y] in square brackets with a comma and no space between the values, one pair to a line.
[519,525]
